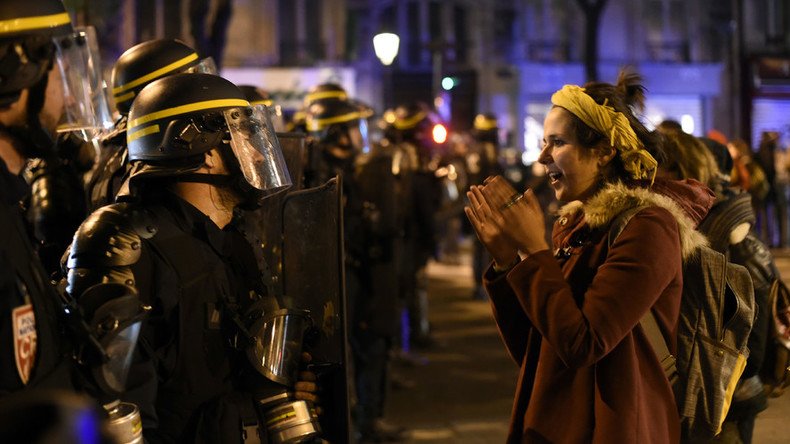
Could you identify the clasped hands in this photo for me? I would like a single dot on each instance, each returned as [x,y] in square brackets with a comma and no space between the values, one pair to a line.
[505,220]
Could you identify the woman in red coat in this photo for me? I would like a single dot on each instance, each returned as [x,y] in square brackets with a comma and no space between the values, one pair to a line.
[570,316]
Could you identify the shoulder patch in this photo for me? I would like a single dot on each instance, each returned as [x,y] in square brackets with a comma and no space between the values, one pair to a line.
[23,322]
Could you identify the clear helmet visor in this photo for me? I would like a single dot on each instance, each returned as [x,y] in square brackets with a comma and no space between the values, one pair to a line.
[86,110]
[120,349]
[276,115]
[204,66]
[255,145]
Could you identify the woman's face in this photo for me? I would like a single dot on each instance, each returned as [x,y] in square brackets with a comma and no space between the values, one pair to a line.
[573,170]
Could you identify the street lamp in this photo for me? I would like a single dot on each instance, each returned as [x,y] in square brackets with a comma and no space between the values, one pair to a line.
[386,46]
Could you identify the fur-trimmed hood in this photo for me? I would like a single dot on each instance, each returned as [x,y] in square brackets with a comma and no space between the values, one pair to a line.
[688,201]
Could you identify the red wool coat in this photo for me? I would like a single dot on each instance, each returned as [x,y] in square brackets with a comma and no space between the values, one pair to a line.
[570,318]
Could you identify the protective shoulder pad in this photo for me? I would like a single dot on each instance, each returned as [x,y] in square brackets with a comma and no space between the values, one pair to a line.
[106,245]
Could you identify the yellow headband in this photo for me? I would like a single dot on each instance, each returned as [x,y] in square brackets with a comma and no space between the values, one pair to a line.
[604,119]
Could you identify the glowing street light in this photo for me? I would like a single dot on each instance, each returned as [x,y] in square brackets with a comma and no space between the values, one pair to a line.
[386,46]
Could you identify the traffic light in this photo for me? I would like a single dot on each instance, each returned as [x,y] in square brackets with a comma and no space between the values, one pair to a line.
[449,83]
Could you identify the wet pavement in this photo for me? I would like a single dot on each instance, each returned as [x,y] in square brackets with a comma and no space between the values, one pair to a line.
[461,389]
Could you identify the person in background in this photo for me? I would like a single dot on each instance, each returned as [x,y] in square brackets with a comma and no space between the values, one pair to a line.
[566,315]
[411,133]
[728,227]
[339,137]
[782,189]
[482,162]
[770,220]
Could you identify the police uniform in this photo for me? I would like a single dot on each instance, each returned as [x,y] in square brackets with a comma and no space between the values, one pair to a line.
[190,272]
[191,378]
[32,346]
[35,37]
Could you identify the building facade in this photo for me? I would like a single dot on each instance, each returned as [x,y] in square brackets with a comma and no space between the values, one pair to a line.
[707,63]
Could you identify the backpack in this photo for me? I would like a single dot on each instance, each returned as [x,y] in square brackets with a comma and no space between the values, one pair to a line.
[717,311]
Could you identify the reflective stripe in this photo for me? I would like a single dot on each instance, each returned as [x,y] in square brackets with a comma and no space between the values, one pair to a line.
[183,109]
[131,137]
[37,22]
[262,102]
[403,124]
[317,124]
[158,73]
[125,97]
[312,97]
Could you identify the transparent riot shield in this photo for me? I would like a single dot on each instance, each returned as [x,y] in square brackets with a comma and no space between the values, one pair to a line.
[312,277]
[264,227]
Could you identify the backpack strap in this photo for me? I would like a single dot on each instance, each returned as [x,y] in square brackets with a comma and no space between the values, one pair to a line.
[659,345]
[648,321]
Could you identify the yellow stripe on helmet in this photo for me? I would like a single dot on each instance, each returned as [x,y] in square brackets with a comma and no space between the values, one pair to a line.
[266,102]
[190,108]
[312,97]
[319,124]
[403,124]
[131,137]
[36,22]
[124,97]
[153,75]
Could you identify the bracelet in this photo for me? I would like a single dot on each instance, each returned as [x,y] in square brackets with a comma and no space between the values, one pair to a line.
[513,200]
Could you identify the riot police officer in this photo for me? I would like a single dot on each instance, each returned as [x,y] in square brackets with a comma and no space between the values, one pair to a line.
[482,161]
[135,68]
[37,71]
[411,131]
[199,154]
[339,138]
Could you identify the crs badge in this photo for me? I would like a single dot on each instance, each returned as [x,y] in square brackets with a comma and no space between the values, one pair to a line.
[24,325]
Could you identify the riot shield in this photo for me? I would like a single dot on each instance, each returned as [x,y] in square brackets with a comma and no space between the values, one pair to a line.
[263,227]
[381,180]
[295,153]
[312,276]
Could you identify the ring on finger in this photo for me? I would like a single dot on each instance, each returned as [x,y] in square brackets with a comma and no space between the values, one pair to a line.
[513,200]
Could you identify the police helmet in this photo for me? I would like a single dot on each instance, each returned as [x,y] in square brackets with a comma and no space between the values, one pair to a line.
[412,122]
[256,96]
[27,29]
[151,60]
[176,119]
[411,117]
[259,96]
[328,120]
[485,127]
[325,91]
[485,122]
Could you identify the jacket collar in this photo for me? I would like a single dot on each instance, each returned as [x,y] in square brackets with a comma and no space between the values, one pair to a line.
[601,209]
